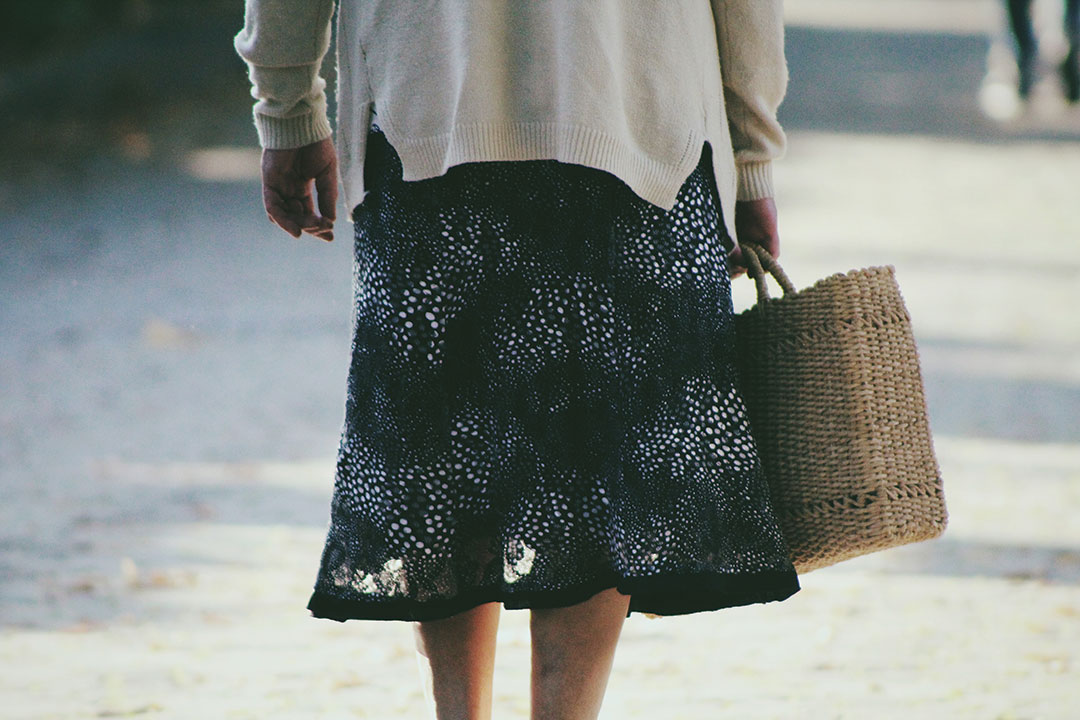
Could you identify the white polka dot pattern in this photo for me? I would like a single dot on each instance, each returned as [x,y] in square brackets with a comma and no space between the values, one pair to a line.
[541,402]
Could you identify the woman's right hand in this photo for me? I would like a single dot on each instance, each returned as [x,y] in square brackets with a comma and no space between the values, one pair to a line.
[755,221]
[287,179]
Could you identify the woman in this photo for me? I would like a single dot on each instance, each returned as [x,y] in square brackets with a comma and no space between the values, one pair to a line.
[542,408]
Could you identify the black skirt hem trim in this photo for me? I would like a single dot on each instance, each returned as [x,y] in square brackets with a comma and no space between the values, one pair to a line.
[653,594]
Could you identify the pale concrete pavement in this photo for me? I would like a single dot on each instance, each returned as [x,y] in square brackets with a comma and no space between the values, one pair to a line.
[171,388]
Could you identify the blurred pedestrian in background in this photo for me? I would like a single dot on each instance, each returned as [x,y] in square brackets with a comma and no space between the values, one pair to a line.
[1026,47]
[542,407]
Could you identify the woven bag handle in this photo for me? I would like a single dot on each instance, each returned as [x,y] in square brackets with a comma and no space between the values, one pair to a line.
[759,264]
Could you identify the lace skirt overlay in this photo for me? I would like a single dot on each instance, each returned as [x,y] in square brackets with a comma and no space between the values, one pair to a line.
[542,402]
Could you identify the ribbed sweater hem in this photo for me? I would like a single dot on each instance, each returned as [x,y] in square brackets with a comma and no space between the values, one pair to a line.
[657,182]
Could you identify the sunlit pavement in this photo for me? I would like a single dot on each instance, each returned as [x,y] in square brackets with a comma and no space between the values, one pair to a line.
[172,378]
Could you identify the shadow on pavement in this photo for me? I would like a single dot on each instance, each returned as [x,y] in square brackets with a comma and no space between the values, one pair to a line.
[1037,410]
[971,558]
[892,83]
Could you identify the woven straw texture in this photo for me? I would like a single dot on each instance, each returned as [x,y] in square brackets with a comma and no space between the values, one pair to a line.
[832,383]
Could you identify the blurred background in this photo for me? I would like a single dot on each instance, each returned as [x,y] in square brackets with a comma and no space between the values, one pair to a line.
[172,374]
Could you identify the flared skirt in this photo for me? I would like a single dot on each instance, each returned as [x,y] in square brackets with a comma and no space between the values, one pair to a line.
[542,401]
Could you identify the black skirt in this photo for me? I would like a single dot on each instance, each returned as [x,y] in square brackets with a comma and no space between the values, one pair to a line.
[542,402]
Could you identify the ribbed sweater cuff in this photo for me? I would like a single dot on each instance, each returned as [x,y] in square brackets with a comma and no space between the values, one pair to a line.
[755,181]
[292,132]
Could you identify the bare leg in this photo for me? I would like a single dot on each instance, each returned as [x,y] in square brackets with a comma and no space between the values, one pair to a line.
[573,649]
[1025,44]
[1072,24]
[457,662]
[1070,68]
[1020,24]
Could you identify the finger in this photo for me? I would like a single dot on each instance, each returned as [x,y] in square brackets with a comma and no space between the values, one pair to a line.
[277,198]
[296,207]
[271,196]
[321,233]
[769,241]
[735,263]
[311,223]
[283,220]
[320,227]
[326,188]
[302,198]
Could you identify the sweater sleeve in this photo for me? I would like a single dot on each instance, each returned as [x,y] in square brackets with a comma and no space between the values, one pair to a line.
[750,35]
[283,43]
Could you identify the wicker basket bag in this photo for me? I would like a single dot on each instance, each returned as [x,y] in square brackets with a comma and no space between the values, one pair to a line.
[832,384]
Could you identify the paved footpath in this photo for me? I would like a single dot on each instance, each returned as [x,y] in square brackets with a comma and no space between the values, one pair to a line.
[171,389]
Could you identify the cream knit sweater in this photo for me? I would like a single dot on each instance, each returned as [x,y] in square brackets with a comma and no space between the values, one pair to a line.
[633,87]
